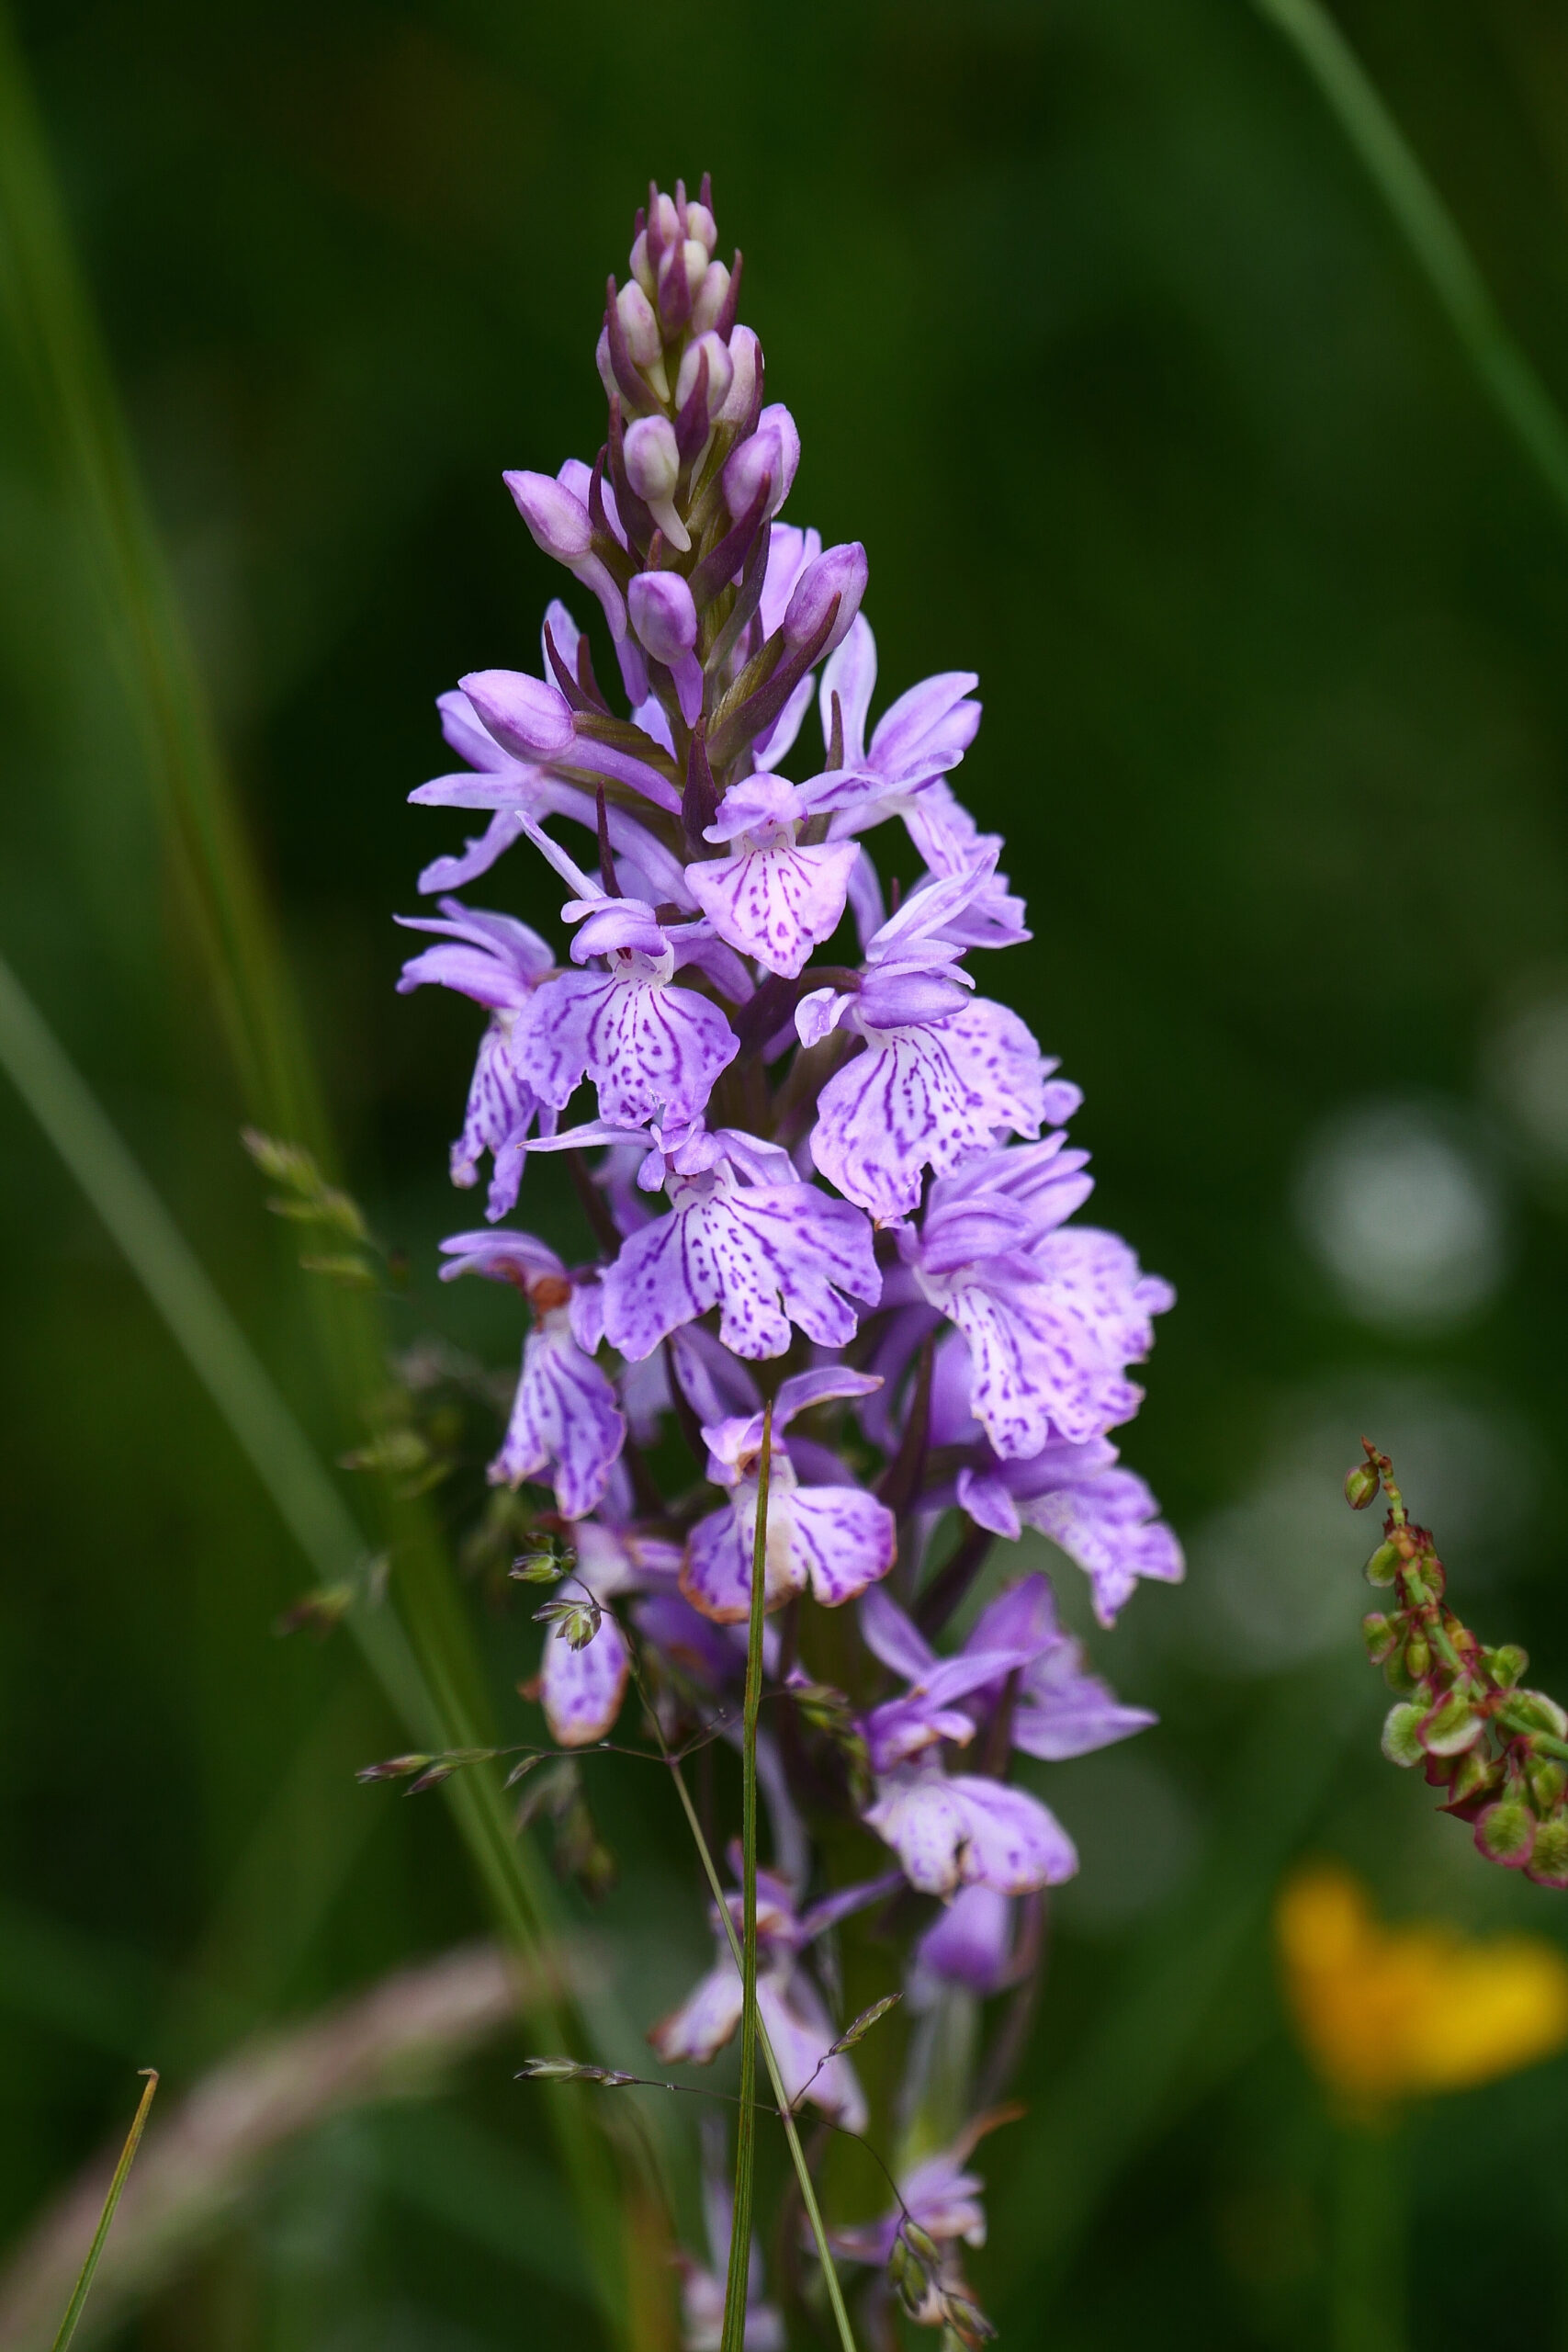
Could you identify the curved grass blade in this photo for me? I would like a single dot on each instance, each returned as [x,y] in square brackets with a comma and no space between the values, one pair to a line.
[1432,235]
[121,2174]
[51,313]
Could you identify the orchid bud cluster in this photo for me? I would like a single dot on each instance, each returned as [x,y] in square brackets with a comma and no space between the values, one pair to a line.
[1500,1751]
[824,1173]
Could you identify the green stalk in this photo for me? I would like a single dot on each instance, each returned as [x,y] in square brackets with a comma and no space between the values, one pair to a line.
[100,2236]
[734,2335]
[1432,235]
[798,2153]
[1367,2250]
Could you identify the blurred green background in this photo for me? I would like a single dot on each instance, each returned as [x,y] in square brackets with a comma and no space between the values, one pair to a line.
[1098,337]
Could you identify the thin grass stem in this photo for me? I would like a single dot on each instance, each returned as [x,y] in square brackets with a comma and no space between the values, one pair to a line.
[1432,235]
[100,2236]
[798,2153]
[735,2297]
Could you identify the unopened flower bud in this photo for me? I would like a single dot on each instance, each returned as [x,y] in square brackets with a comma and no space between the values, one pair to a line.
[1548,1856]
[1402,1733]
[665,225]
[721,371]
[746,358]
[1451,1727]
[653,468]
[663,614]
[1361,1486]
[700,225]
[561,527]
[1505,1663]
[1417,1656]
[1506,1833]
[772,452]
[1385,1562]
[558,521]
[694,259]
[709,299]
[642,268]
[525,715]
[665,619]
[1381,1635]
[838,572]
[641,327]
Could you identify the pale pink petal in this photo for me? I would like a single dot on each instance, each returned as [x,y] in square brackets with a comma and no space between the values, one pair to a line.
[842,1540]
[778,901]
[582,1688]
[704,2021]
[565,1414]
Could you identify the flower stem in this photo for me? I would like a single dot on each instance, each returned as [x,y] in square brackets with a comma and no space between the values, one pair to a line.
[1433,236]
[735,2293]
[100,2236]
[1367,2260]
[798,2153]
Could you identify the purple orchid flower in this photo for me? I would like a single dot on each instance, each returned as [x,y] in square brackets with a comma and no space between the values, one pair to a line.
[582,1688]
[832,1540]
[774,896]
[941,1078]
[536,724]
[863,1171]
[1102,1517]
[926,1714]
[745,1234]
[513,788]
[919,740]
[501,964]
[565,1412]
[792,2009]
[952,1830]
[652,1048]
[1051,1314]
[970,1945]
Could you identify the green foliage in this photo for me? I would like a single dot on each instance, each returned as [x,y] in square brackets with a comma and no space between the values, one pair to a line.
[1092,309]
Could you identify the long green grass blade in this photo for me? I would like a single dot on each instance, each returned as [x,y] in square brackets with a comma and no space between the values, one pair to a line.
[1433,236]
[433,1709]
[105,2219]
[734,2335]
[49,310]
[52,316]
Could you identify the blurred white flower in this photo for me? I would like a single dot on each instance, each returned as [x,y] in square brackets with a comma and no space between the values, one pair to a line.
[1400,1210]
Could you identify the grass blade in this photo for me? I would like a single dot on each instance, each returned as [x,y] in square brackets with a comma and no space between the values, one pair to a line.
[1431,233]
[433,1705]
[735,2293]
[51,315]
[431,1653]
[121,2174]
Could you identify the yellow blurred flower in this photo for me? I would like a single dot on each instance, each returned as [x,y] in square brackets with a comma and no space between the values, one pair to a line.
[1388,2013]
